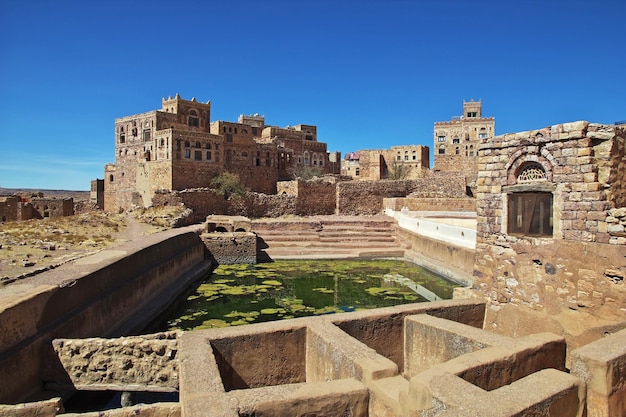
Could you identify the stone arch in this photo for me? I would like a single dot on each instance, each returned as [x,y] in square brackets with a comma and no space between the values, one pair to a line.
[523,158]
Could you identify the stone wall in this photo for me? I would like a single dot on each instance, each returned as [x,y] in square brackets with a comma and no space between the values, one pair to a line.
[231,247]
[141,363]
[366,197]
[205,202]
[111,293]
[9,206]
[466,204]
[580,264]
[316,197]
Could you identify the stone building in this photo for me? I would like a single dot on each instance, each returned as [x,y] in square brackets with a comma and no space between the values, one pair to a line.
[16,207]
[178,147]
[456,141]
[551,218]
[399,162]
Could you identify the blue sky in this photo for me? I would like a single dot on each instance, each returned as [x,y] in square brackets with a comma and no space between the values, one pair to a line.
[370,74]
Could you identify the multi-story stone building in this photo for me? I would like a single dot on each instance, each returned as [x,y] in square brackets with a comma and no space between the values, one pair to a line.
[456,141]
[178,147]
[399,162]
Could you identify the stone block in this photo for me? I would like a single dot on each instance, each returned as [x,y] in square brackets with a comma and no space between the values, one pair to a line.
[602,365]
[575,126]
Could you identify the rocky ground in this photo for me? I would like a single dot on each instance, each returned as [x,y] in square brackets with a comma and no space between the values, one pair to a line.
[34,246]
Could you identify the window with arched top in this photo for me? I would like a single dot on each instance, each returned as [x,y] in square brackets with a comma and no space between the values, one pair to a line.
[530,202]
[531,172]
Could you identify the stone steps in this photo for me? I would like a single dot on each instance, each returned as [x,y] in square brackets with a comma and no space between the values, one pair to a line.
[327,237]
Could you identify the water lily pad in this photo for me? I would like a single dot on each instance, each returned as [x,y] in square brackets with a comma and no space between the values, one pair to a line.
[271,311]
[272,282]
[213,324]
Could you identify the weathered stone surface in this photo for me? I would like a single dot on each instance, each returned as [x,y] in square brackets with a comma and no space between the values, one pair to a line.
[143,363]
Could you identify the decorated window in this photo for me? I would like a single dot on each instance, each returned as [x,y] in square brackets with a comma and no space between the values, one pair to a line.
[531,172]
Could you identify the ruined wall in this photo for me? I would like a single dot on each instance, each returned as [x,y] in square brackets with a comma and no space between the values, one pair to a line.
[287,187]
[9,207]
[581,263]
[205,202]
[140,363]
[366,197]
[52,207]
[231,247]
[316,197]
[258,205]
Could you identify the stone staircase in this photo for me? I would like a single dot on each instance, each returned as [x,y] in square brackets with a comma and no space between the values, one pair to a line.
[327,237]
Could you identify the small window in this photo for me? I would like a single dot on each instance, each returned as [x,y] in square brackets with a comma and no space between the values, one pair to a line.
[147,134]
[229,137]
[530,214]
[187,144]
[122,137]
[456,140]
[357,171]
[208,155]
[194,121]
[197,155]
[441,138]
[187,153]
[442,149]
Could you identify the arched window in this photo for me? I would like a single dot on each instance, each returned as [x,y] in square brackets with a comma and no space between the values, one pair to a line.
[187,144]
[531,172]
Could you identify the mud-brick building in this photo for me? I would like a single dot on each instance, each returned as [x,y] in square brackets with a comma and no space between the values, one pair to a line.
[399,162]
[551,207]
[178,147]
[456,141]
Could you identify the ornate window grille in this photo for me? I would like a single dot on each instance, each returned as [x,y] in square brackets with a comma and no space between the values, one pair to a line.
[532,172]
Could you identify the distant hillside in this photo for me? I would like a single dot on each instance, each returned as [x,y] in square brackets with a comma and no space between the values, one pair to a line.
[76,195]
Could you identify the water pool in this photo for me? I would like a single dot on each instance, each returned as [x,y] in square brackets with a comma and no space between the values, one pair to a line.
[241,294]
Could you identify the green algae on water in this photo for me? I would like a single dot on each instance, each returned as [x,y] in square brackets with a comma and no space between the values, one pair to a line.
[241,294]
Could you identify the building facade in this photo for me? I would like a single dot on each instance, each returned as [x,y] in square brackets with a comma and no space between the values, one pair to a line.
[456,141]
[178,147]
[399,162]
[551,214]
